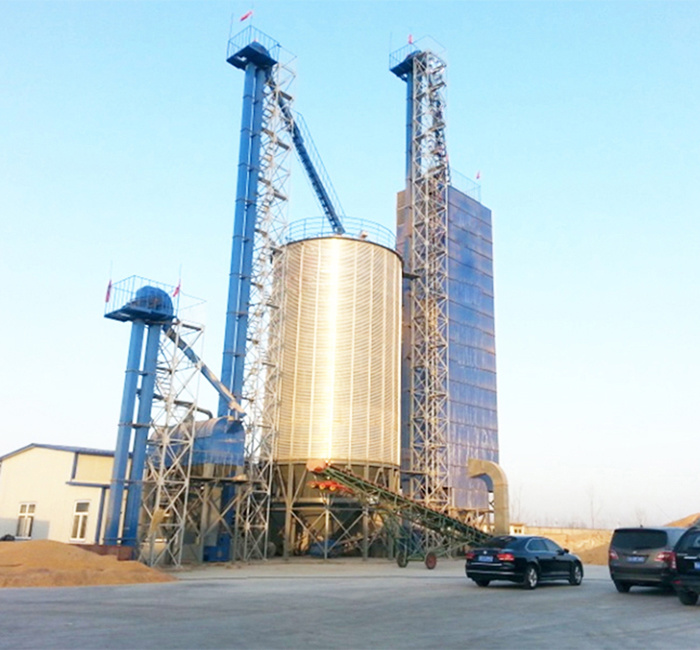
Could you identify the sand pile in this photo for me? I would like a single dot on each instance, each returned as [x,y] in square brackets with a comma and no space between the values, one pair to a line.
[686,522]
[44,563]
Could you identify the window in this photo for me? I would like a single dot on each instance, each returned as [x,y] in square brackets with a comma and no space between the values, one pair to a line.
[80,517]
[552,546]
[639,539]
[536,544]
[690,541]
[25,522]
[504,541]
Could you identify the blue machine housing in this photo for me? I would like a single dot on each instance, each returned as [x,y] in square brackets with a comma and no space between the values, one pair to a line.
[149,304]
[218,441]
[253,52]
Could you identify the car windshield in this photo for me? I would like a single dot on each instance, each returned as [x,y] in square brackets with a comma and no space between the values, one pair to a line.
[639,539]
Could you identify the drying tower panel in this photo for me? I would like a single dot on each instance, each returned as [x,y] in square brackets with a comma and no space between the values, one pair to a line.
[473,423]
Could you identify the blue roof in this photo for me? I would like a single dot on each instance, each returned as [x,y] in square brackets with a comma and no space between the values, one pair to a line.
[73,450]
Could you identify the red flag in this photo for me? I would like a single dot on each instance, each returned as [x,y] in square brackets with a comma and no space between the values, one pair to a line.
[246,15]
[177,289]
[109,291]
[410,39]
[478,175]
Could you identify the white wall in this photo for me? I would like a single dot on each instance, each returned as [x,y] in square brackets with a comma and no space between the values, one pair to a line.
[41,476]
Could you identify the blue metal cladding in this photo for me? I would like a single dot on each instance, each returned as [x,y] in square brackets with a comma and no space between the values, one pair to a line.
[473,428]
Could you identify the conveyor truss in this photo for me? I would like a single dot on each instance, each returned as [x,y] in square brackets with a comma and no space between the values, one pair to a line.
[402,515]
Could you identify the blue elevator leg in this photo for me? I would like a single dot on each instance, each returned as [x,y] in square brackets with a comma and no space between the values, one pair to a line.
[249,236]
[241,331]
[126,416]
[143,421]
[409,128]
[238,235]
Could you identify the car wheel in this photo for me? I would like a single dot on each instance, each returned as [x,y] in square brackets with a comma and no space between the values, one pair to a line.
[430,560]
[402,559]
[576,575]
[532,577]
[688,597]
[482,583]
[622,587]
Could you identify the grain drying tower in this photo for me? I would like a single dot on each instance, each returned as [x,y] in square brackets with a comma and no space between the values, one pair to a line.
[343,343]
[448,362]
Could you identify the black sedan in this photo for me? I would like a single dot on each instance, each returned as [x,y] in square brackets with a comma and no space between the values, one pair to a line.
[525,559]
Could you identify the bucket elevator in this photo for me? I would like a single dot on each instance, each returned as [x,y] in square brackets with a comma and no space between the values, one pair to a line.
[167,456]
[269,131]
[448,358]
[148,308]
[425,257]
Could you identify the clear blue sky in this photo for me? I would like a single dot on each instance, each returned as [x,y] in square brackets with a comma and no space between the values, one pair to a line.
[119,126]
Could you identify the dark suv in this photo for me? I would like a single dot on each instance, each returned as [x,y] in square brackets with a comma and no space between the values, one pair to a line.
[686,582]
[642,556]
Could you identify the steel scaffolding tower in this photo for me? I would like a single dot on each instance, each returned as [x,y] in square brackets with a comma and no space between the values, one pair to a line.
[250,362]
[426,408]
[167,473]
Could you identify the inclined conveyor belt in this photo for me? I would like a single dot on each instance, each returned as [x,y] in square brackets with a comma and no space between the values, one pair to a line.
[400,507]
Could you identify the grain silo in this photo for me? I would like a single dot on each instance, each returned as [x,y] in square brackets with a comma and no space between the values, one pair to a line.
[338,389]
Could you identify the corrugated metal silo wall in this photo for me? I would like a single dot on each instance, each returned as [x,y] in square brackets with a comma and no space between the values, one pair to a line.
[340,379]
[473,429]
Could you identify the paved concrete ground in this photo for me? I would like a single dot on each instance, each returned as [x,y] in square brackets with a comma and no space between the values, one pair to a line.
[345,604]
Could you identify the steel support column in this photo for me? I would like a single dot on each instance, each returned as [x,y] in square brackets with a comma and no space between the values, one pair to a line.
[141,429]
[126,416]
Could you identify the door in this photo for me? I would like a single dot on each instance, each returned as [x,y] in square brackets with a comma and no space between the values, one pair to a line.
[560,566]
[538,549]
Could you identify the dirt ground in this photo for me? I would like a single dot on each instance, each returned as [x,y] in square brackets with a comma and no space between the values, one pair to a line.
[45,563]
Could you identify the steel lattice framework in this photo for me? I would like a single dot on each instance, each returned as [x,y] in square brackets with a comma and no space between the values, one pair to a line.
[427,184]
[260,392]
[167,473]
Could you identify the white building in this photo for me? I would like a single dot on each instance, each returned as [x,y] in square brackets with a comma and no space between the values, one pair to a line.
[55,492]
